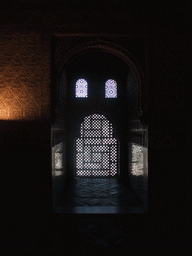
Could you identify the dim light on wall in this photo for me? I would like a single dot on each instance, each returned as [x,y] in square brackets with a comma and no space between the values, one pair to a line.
[15,112]
[24,78]
[19,102]
[3,113]
[16,102]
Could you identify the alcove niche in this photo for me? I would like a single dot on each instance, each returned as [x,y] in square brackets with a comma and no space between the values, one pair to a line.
[95,134]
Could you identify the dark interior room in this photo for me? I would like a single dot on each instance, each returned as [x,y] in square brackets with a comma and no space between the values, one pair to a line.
[93,117]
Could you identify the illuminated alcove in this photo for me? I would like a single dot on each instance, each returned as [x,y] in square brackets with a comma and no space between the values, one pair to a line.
[82,94]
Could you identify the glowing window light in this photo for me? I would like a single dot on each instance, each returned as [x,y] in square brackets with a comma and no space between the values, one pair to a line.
[96,149]
[59,173]
[81,88]
[111,89]
[137,160]
[58,160]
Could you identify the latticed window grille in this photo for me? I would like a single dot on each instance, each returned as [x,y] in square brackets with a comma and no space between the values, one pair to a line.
[96,149]
[81,88]
[111,89]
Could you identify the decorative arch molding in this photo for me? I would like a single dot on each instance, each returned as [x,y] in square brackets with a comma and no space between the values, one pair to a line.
[113,49]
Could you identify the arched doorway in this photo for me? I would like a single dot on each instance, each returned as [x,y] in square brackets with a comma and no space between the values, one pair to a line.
[99,81]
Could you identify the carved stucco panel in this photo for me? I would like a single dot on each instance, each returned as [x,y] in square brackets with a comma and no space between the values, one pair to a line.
[22,79]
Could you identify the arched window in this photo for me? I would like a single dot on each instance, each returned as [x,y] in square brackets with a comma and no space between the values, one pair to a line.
[96,149]
[111,89]
[81,88]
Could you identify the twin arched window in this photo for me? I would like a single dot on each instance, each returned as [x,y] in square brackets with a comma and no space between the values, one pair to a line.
[81,88]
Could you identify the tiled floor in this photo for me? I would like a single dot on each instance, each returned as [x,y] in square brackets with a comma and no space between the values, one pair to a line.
[97,195]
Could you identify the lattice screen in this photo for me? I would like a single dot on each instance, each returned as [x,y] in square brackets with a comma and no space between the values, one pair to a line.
[111,89]
[81,88]
[96,149]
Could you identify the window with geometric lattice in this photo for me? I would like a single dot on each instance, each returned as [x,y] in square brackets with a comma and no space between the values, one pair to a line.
[81,88]
[111,89]
[96,149]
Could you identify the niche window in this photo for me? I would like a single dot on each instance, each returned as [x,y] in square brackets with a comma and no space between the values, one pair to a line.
[111,89]
[81,88]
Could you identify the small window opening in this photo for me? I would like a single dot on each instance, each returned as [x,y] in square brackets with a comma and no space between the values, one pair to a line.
[81,88]
[111,89]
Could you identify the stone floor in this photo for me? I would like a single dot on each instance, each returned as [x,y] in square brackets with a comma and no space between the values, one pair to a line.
[95,225]
[97,196]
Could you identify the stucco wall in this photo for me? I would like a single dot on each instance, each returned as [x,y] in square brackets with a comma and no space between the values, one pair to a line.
[24,77]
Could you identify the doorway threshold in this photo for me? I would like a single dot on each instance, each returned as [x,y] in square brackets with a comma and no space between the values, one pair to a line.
[100,210]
